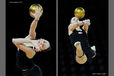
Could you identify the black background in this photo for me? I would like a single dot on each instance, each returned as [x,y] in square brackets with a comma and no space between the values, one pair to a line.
[18,23]
[97,12]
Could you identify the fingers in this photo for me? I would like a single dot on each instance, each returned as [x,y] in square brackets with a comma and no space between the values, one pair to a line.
[38,10]
[87,22]
[38,13]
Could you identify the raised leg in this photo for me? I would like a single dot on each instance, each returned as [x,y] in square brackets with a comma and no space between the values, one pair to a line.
[80,56]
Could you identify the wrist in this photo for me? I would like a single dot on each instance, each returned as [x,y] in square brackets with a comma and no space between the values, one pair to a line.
[36,19]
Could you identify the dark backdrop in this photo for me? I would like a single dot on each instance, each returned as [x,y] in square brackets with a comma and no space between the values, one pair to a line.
[97,12]
[18,23]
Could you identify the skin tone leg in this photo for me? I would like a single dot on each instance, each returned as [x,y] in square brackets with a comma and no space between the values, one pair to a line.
[79,52]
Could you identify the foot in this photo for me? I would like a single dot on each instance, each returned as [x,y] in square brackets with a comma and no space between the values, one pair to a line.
[80,56]
[94,49]
[79,51]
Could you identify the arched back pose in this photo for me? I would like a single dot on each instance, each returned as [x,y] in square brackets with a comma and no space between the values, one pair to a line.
[28,48]
[77,30]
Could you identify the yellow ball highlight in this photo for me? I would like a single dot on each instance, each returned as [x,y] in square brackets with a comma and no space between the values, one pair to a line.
[32,9]
[79,12]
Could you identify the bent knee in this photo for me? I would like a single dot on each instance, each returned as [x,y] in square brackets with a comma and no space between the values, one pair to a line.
[81,60]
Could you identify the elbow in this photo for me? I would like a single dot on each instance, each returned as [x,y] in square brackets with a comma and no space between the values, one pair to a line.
[14,41]
[70,28]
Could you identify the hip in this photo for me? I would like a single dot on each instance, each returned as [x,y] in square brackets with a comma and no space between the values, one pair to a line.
[34,71]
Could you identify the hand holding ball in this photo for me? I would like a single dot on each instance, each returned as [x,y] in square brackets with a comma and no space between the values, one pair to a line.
[36,10]
[86,22]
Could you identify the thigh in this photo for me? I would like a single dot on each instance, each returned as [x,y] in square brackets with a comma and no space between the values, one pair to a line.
[81,60]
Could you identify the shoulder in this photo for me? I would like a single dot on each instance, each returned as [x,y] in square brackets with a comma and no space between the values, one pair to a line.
[73,20]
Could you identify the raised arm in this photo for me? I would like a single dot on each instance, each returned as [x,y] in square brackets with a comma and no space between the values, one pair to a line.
[32,33]
[86,25]
[71,27]
[18,42]
[74,24]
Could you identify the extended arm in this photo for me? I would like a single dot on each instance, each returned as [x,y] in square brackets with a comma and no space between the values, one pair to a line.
[32,33]
[75,25]
[86,25]
[18,42]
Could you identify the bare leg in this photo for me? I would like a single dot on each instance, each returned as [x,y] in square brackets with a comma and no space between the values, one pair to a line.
[80,58]
[79,49]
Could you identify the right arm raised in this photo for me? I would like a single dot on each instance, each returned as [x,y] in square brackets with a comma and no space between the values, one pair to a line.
[73,26]
[32,33]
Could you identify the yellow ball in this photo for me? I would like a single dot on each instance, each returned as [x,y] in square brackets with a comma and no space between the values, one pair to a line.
[32,9]
[79,12]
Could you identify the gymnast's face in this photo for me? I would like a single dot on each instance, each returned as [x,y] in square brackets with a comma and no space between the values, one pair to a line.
[43,44]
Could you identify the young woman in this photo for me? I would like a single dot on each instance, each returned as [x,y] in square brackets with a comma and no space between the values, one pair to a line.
[77,30]
[27,48]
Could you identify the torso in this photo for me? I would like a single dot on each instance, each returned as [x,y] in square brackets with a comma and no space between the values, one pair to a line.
[22,61]
[80,36]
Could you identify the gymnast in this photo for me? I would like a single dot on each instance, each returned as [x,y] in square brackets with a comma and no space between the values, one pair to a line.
[27,48]
[77,31]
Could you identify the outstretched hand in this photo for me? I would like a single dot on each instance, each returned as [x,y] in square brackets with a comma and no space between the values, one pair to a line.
[87,22]
[38,13]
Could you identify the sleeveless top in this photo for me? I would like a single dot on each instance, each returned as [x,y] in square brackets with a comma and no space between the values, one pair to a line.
[22,61]
[82,37]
